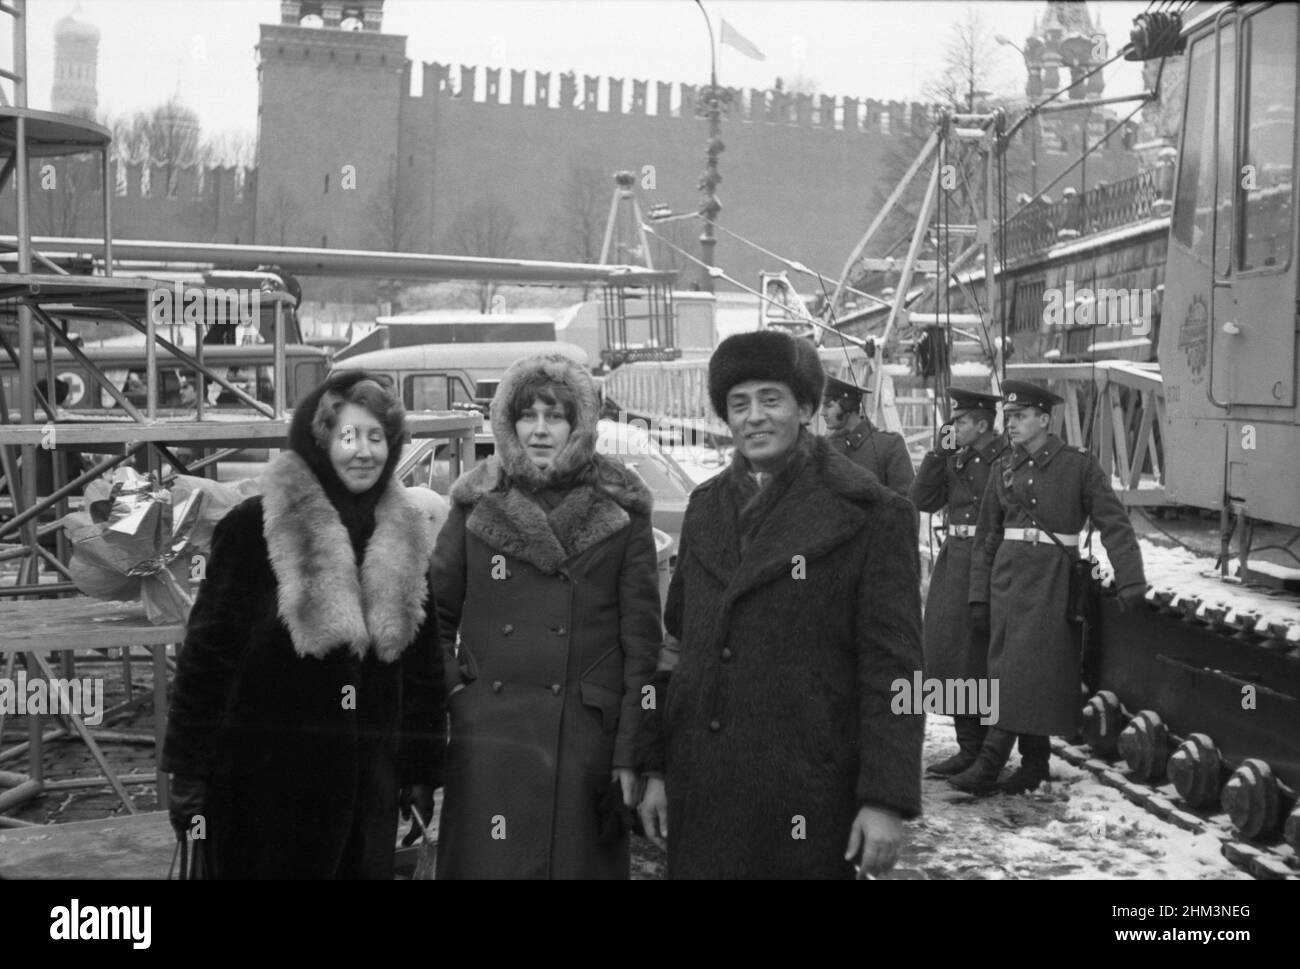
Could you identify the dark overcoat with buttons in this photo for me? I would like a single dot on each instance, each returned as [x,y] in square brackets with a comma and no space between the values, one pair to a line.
[1033,652]
[955,483]
[883,453]
[778,719]
[557,606]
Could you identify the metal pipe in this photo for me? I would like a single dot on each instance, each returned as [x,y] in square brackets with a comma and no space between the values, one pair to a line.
[279,367]
[23,792]
[1144,97]
[42,589]
[76,783]
[1214,211]
[108,214]
[151,359]
[200,376]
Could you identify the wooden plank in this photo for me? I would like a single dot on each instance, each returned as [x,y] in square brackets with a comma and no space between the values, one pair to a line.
[1143,439]
[1119,430]
[128,848]
[1104,435]
[44,626]
[1142,497]
[1073,429]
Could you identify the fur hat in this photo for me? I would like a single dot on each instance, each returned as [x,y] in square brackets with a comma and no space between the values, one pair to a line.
[765,355]
[580,448]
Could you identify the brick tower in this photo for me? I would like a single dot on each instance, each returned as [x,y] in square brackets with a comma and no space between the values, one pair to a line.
[329,92]
[76,64]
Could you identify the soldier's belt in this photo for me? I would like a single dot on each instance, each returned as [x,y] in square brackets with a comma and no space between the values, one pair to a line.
[961,531]
[1036,535]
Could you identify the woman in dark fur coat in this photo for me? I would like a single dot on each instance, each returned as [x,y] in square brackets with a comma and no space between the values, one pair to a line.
[309,690]
[547,568]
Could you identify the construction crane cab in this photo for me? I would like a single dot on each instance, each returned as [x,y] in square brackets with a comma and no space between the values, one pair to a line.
[1228,350]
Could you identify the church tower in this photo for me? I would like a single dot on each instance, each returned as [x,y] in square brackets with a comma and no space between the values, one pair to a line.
[329,94]
[76,64]
[1064,45]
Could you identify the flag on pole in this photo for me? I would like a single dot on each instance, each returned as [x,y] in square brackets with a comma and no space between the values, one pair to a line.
[732,36]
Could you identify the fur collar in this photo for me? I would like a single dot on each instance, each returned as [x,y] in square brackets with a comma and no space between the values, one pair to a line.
[322,599]
[826,503]
[506,518]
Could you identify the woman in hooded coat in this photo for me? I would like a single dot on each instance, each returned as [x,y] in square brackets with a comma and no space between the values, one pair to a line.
[309,690]
[547,568]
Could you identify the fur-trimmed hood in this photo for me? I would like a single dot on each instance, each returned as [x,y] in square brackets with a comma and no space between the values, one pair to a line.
[322,599]
[580,448]
[508,519]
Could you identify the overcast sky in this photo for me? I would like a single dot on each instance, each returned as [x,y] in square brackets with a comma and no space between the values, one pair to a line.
[885,49]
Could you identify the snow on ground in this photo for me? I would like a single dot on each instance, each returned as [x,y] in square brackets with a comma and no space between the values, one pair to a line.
[1074,828]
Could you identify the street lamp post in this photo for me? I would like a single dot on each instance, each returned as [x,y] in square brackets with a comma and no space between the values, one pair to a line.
[1033,124]
[709,204]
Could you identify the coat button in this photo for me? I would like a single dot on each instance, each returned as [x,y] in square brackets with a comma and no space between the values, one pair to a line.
[726,652]
[715,725]
[507,629]
[496,686]
[556,689]
[559,630]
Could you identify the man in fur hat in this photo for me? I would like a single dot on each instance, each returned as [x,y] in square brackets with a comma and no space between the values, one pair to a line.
[793,611]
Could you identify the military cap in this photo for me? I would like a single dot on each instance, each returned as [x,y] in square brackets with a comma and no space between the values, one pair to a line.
[836,388]
[965,400]
[1021,393]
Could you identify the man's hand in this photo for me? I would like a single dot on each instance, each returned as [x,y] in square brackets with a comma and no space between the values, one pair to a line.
[654,811]
[877,833]
[980,618]
[629,783]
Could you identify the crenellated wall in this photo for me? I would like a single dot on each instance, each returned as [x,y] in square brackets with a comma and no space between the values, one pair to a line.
[204,204]
[358,147]
[800,172]
[616,95]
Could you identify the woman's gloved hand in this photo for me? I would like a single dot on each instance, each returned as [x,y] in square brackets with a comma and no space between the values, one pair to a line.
[187,797]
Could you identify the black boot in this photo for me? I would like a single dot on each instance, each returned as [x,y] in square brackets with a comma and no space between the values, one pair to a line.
[982,776]
[970,737]
[1035,750]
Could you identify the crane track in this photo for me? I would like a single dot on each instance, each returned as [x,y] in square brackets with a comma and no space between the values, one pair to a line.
[1262,861]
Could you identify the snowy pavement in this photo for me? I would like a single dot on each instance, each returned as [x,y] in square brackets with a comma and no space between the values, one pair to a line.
[1074,828]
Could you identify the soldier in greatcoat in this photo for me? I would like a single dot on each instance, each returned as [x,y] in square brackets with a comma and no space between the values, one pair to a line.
[952,477]
[1020,580]
[883,453]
